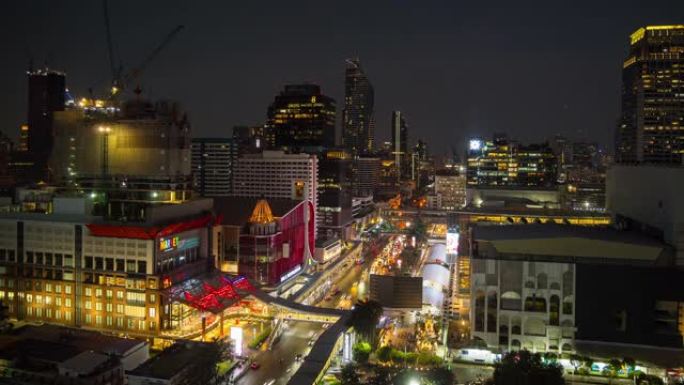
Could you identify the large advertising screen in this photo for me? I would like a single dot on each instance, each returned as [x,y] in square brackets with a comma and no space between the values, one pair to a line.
[452,243]
[177,243]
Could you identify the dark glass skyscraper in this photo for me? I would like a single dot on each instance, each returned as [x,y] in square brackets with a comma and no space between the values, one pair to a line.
[302,118]
[45,96]
[358,121]
[651,127]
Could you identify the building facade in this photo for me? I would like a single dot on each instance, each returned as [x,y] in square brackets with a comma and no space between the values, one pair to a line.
[77,270]
[450,186]
[651,126]
[366,175]
[273,250]
[530,284]
[301,117]
[358,116]
[275,174]
[334,194]
[212,166]
[502,162]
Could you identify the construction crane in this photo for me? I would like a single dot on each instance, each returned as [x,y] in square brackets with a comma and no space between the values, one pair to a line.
[135,73]
[115,71]
[121,81]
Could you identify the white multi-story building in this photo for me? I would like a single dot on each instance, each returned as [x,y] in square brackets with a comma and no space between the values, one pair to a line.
[275,174]
[520,302]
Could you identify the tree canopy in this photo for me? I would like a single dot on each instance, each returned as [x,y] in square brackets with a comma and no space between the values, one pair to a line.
[364,319]
[525,368]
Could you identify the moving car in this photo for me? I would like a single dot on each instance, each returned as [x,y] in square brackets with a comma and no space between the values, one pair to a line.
[254,365]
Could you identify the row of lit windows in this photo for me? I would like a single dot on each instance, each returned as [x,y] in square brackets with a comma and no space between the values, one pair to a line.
[111,264]
[98,320]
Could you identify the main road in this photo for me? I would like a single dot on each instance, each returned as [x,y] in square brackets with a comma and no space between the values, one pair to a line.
[277,365]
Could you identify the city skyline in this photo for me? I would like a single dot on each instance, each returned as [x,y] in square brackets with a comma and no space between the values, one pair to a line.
[449,96]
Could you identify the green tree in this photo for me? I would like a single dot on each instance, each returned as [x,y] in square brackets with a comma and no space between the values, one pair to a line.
[384,353]
[348,375]
[550,357]
[523,367]
[588,363]
[613,368]
[576,361]
[361,352]
[5,325]
[364,319]
[629,364]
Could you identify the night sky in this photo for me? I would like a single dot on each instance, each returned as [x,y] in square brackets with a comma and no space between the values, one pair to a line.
[456,68]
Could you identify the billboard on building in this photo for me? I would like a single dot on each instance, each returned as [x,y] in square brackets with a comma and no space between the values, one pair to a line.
[452,239]
[397,292]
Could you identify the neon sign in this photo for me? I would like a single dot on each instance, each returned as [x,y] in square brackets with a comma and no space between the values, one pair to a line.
[176,243]
[167,244]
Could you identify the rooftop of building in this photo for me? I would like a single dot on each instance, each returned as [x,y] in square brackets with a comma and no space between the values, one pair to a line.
[12,347]
[326,242]
[262,213]
[171,361]
[78,339]
[276,155]
[237,211]
[71,209]
[85,363]
[524,209]
[212,140]
[565,243]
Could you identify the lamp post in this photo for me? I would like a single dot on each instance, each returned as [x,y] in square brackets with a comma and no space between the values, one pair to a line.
[104,163]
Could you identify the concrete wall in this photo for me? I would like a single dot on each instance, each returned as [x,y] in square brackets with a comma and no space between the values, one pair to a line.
[651,196]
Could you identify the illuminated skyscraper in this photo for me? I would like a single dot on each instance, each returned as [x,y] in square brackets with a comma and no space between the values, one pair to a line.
[358,118]
[651,127]
[302,118]
[400,142]
[502,162]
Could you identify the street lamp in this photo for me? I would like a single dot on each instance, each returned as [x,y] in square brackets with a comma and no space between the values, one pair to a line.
[105,130]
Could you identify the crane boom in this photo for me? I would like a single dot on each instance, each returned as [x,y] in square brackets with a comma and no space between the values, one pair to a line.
[110,46]
[136,72]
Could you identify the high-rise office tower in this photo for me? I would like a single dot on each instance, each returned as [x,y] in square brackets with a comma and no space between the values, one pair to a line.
[399,142]
[302,118]
[212,166]
[46,90]
[503,162]
[334,193]
[651,127]
[358,121]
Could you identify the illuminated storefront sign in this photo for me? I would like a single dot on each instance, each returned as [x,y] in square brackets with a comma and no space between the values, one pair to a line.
[177,243]
[236,336]
[290,273]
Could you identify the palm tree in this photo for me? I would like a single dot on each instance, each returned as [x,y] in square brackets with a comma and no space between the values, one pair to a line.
[364,319]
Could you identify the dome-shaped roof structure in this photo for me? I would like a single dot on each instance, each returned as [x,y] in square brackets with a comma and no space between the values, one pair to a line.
[262,213]
[433,297]
[437,254]
[436,275]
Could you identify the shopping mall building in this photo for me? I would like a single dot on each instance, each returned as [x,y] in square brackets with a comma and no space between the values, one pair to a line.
[74,269]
